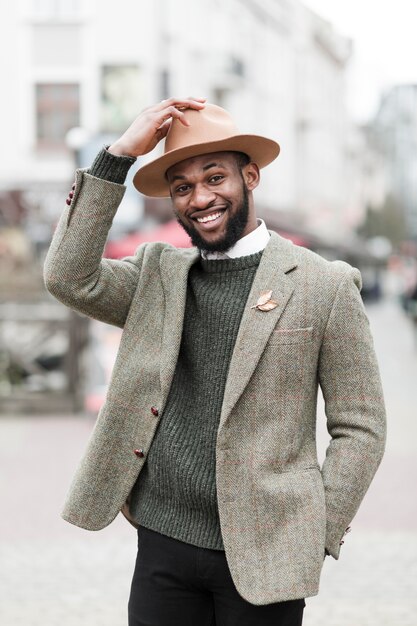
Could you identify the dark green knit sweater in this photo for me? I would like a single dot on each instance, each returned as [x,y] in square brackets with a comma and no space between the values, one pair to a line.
[175,493]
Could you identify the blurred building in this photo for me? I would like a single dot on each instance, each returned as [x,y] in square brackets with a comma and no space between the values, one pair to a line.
[322,130]
[277,66]
[394,134]
[367,176]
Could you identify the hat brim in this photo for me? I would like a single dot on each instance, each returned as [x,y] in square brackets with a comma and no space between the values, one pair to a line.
[150,179]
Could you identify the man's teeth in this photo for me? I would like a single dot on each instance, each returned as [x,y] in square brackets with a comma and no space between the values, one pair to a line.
[209,218]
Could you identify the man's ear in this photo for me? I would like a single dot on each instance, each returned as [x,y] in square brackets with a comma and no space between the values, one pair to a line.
[251,176]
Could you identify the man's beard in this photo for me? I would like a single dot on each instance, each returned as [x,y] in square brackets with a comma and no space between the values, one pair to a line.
[235,227]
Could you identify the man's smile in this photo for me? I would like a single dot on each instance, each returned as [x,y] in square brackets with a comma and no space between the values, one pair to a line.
[209,219]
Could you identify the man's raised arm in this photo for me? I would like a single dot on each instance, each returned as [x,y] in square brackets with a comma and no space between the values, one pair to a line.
[74,271]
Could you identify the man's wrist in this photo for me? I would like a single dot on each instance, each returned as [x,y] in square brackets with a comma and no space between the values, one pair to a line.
[111,167]
[118,149]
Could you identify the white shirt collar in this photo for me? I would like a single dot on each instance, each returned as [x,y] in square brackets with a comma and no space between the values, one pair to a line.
[254,242]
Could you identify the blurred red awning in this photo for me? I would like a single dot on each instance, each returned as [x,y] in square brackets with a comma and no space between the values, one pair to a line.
[171,232]
[298,240]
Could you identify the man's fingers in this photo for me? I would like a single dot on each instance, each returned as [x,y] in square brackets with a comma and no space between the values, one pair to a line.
[168,114]
[153,123]
[187,103]
[173,108]
[173,111]
[163,129]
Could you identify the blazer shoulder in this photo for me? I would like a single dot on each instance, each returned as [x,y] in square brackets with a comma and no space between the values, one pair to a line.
[309,259]
[323,271]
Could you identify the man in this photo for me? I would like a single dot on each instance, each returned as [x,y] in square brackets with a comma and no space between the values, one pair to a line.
[206,440]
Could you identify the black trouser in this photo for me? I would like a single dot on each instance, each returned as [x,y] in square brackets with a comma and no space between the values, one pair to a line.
[177,584]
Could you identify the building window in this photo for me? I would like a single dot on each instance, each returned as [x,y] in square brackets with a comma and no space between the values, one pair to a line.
[122,96]
[57,110]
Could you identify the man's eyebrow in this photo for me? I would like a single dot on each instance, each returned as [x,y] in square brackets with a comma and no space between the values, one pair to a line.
[177,177]
[209,165]
[205,168]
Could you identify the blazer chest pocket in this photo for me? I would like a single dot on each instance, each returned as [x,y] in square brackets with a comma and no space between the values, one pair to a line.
[285,336]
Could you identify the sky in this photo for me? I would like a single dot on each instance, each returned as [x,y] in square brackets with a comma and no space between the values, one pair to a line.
[385,46]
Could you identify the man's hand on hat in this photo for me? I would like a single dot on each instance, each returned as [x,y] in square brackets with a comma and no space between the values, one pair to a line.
[152,125]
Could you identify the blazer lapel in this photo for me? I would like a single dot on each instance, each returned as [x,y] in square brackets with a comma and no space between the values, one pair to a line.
[256,326]
[175,265]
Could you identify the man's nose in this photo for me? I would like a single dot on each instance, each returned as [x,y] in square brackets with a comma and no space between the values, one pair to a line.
[202,197]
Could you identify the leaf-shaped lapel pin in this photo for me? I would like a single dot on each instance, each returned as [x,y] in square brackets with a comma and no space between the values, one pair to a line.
[265,302]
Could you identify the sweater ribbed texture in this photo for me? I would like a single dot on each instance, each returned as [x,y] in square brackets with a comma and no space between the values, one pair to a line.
[175,493]
[111,167]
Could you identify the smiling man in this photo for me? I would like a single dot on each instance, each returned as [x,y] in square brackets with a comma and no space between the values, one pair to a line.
[206,441]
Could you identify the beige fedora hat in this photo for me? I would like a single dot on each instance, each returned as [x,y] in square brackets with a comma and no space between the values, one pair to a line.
[211,130]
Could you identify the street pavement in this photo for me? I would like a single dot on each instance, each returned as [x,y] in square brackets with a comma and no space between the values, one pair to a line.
[52,573]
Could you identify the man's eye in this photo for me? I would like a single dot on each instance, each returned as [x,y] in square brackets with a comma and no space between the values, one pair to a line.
[181,189]
[216,178]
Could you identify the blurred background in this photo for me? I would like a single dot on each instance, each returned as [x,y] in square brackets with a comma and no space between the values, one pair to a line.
[335,83]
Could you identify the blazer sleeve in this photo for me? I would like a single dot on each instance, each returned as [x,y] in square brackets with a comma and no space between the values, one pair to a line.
[354,406]
[74,271]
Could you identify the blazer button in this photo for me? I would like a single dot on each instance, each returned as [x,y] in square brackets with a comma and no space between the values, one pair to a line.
[139,452]
[154,411]
[68,201]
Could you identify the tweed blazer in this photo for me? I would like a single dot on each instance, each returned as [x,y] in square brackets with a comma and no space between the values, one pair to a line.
[278,508]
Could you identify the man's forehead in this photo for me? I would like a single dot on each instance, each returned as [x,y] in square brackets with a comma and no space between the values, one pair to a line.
[201,161]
